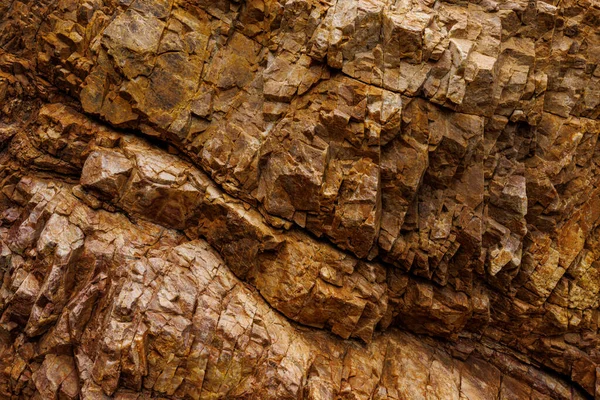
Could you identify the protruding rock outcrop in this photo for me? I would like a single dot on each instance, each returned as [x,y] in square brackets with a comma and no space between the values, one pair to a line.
[362,199]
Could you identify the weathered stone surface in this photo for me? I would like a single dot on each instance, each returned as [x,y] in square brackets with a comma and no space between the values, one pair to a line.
[268,199]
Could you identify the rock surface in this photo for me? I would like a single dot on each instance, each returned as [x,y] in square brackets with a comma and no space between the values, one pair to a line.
[268,199]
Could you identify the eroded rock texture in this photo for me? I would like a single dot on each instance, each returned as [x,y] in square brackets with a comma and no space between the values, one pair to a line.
[285,199]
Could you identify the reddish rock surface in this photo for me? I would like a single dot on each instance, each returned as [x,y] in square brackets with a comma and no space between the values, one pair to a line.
[269,199]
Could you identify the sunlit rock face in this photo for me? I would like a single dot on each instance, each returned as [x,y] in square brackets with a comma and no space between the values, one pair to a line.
[299,199]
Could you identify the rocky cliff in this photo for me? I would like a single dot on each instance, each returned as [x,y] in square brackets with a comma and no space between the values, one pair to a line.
[285,199]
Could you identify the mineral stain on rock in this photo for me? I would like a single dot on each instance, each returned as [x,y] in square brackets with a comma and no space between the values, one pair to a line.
[285,199]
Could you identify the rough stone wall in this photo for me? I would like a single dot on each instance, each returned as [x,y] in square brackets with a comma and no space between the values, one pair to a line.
[285,199]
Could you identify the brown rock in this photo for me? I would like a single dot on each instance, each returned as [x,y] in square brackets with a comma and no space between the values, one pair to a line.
[358,199]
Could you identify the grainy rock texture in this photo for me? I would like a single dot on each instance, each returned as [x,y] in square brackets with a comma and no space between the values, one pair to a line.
[286,199]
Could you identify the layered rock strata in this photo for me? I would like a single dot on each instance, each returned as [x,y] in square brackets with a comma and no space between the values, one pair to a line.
[299,199]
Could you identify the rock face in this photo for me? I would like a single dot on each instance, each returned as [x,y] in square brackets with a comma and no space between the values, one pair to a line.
[285,199]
